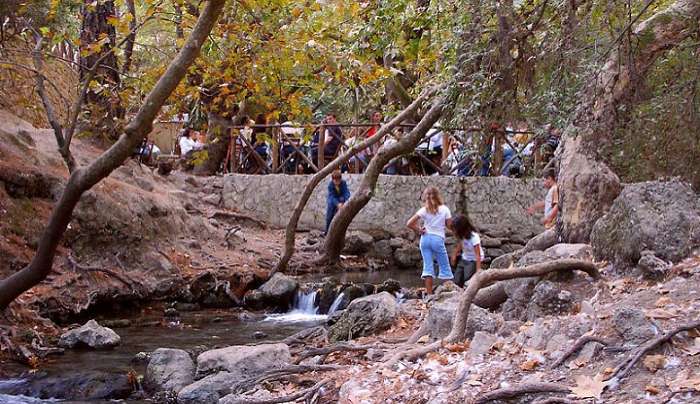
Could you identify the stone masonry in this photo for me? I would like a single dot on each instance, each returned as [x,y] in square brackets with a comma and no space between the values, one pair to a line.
[496,205]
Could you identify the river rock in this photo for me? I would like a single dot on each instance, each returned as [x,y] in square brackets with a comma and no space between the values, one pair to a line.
[441,313]
[365,316]
[357,242]
[563,250]
[651,266]
[390,285]
[632,325]
[277,292]
[169,369]
[90,335]
[660,216]
[79,386]
[549,299]
[207,390]
[407,256]
[241,360]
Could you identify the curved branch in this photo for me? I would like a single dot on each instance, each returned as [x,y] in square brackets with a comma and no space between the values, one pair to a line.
[338,162]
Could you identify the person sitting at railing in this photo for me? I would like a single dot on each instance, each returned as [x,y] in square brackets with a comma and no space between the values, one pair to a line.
[188,146]
[332,139]
[391,139]
[291,138]
[257,139]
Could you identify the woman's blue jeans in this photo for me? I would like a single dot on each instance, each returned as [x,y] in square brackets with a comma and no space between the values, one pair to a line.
[433,247]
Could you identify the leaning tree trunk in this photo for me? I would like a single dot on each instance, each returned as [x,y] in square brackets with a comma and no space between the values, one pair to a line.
[339,226]
[313,182]
[588,186]
[98,37]
[84,178]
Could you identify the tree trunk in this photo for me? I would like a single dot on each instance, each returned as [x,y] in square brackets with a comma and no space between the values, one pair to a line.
[335,239]
[98,37]
[129,45]
[84,178]
[218,138]
[587,185]
[313,182]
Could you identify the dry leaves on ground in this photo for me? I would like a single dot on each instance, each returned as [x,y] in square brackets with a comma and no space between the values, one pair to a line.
[684,381]
[654,362]
[589,387]
[692,348]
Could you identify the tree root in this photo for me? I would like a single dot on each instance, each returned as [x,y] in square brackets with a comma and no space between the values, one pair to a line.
[278,374]
[580,343]
[306,394]
[555,400]
[623,369]
[519,390]
[83,268]
[340,347]
[238,216]
[480,280]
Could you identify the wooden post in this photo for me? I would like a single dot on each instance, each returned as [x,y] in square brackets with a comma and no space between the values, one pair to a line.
[275,149]
[321,147]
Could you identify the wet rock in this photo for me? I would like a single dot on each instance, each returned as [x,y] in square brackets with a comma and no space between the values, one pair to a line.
[171,312]
[259,335]
[207,390]
[365,316]
[357,242]
[243,361]
[278,292]
[441,313]
[141,357]
[481,343]
[169,369]
[381,249]
[91,335]
[549,299]
[79,386]
[351,293]
[327,294]
[390,285]
[660,216]
[120,323]
[210,291]
[187,306]
[651,266]
[632,325]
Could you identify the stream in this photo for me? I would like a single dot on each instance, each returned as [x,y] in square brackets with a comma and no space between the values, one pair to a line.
[197,330]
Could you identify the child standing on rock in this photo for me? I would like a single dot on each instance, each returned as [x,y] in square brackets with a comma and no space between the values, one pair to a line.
[436,217]
[469,246]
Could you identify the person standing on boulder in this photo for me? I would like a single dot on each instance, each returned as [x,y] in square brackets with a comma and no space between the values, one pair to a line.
[436,217]
[338,194]
[469,246]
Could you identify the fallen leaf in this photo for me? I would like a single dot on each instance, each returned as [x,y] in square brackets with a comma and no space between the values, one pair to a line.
[663,301]
[652,389]
[474,383]
[438,358]
[529,365]
[660,314]
[608,371]
[589,387]
[694,333]
[424,339]
[654,362]
[693,348]
[457,347]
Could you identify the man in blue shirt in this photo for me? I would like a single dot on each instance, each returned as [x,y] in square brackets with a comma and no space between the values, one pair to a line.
[338,194]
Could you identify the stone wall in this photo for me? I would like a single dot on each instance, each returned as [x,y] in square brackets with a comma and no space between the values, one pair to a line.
[496,205]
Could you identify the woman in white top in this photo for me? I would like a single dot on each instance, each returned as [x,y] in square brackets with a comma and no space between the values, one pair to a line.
[436,217]
[470,248]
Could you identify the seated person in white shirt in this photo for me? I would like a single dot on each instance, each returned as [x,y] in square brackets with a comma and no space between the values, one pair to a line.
[189,144]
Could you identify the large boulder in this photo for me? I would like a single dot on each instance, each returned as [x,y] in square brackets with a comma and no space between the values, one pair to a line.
[365,316]
[90,335]
[441,312]
[79,386]
[357,242]
[169,370]
[278,292]
[243,361]
[660,216]
[207,390]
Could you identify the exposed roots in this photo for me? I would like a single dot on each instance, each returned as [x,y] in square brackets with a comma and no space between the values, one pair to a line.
[469,295]
[305,394]
[519,390]
[580,343]
[623,369]
[340,347]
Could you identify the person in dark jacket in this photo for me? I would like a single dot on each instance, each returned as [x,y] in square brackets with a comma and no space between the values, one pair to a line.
[338,195]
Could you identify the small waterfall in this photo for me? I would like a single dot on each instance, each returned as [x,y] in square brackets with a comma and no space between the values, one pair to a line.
[305,302]
[336,303]
[304,308]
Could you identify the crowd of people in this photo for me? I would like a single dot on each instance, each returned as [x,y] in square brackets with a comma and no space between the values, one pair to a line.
[432,222]
[442,151]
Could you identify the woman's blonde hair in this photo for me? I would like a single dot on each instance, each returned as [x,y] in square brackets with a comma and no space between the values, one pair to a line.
[432,199]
